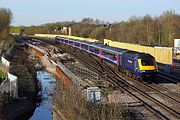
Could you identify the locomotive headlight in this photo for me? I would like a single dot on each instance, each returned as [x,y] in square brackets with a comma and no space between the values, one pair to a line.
[143,71]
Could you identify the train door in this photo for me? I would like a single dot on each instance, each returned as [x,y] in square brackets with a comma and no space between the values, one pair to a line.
[117,59]
[135,65]
[120,60]
[100,54]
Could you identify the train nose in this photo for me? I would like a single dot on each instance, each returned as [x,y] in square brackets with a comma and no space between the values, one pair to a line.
[150,75]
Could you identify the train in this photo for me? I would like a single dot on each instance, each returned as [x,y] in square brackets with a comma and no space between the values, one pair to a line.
[135,64]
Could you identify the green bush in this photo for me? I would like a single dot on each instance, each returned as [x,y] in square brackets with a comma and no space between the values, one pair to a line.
[2,74]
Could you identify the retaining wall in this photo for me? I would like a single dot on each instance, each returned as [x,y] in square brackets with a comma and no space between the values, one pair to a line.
[66,36]
[38,51]
[65,75]
[162,54]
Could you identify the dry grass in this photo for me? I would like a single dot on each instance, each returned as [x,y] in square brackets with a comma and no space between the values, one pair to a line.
[74,106]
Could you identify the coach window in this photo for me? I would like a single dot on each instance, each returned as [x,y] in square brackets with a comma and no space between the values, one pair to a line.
[108,55]
[77,44]
[96,50]
[91,49]
[66,41]
[84,47]
[71,42]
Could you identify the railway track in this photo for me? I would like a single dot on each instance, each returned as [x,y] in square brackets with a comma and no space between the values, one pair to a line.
[124,85]
[156,88]
[161,110]
[169,78]
[141,87]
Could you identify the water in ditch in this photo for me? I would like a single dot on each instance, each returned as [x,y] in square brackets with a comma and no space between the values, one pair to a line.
[43,109]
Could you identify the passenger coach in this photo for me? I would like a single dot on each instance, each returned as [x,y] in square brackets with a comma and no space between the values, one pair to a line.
[136,64]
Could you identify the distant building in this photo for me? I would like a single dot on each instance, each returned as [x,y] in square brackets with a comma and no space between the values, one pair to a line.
[66,29]
[177,46]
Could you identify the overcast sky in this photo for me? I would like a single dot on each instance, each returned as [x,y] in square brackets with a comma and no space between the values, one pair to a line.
[36,12]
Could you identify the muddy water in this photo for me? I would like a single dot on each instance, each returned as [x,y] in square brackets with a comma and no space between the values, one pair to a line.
[43,109]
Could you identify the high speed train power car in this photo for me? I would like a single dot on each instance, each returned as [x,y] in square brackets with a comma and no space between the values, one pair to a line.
[141,65]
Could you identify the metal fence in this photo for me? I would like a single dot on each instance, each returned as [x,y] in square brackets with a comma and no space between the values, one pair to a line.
[85,73]
[10,87]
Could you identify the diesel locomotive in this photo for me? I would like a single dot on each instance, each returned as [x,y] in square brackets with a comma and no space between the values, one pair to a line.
[136,64]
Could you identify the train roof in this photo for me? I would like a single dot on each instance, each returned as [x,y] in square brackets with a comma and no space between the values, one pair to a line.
[146,55]
[118,50]
[99,45]
[107,48]
[132,52]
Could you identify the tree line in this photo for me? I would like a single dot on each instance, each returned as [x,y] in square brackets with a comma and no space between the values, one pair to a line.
[146,30]
[5,21]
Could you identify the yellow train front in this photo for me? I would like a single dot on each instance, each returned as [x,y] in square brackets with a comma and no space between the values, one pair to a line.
[141,64]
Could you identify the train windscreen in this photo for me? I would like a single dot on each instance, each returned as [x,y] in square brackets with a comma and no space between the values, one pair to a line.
[148,62]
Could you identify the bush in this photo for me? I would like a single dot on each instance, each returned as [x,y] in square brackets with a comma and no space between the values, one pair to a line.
[2,74]
[72,103]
